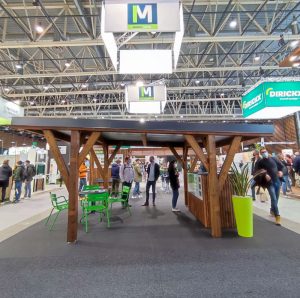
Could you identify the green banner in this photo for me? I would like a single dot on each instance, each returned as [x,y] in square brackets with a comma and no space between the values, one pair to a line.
[4,121]
[253,101]
[285,94]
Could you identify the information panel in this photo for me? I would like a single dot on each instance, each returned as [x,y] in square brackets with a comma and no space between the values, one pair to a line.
[8,110]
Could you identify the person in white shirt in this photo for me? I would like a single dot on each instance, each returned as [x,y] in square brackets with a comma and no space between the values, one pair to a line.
[127,174]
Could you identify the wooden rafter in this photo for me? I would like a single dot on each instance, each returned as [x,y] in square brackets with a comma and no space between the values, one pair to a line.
[113,155]
[178,157]
[88,145]
[98,164]
[235,144]
[197,149]
[194,164]
[57,156]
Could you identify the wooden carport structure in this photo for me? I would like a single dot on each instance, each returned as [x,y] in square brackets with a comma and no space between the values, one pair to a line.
[86,133]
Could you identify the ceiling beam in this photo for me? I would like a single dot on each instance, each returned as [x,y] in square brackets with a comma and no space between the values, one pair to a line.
[199,39]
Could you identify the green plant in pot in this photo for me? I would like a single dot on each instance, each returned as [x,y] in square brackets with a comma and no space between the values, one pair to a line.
[242,203]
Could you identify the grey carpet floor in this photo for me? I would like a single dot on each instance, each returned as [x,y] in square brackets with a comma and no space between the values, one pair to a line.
[154,253]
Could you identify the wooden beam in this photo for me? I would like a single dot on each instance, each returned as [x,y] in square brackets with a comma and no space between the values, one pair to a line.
[178,157]
[73,189]
[98,164]
[144,139]
[88,145]
[185,175]
[194,164]
[113,155]
[213,189]
[197,149]
[57,156]
[235,144]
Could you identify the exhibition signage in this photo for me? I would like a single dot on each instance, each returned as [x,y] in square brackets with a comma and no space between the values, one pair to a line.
[141,16]
[146,99]
[8,110]
[129,17]
[270,99]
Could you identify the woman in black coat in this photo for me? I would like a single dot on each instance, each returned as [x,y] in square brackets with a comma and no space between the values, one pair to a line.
[5,174]
[174,182]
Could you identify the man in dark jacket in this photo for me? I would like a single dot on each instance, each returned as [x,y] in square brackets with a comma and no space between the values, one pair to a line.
[153,172]
[5,174]
[18,177]
[296,163]
[29,174]
[115,175]
[274,171]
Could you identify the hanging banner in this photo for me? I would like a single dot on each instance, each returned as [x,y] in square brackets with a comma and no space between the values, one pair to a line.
[8,110]
[272,99]
[142,16]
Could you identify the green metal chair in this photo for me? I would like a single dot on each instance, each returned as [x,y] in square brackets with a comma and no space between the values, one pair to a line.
[59,204]
[95,203]
[122,197]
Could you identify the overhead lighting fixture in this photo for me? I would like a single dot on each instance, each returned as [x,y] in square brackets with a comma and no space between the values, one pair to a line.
[32,103]
[296,64]
[95,99]
[63,101]
[39,28]
[294,43]
[24,144]
[84,85]
[19,66]
[67,64]
[139,83]
[17,102]
[293,58]
[233,24]
[142,120]
[211,59]
[181,116]
[256,58]
[197,82]
[122,84]
[46,87]
[6,89]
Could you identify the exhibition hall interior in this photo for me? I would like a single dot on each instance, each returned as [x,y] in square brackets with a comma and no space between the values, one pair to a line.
[149,148]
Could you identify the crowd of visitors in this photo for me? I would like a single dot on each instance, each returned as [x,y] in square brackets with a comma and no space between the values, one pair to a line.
[272,173]
[23,172]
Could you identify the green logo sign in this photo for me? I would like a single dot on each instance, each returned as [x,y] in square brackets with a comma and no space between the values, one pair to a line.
[142,16]
[146,93]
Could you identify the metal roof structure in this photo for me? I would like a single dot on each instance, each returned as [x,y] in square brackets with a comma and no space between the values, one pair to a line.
[216,65]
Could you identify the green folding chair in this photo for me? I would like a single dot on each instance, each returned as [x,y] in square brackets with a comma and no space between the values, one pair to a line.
[59,204]
[122,197]
[95,203]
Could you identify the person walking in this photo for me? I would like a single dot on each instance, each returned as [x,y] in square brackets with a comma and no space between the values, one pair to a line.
[115,175]
[256,158]
[127,176]
[174,182]
[274,171]
[138,176]
[286,186]
[29,173]
[5,174]
[82,176]
[18,177]
[153,172]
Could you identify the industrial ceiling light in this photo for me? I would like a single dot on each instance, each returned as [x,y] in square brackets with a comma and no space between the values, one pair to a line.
[293,58]
[39,28]
[211,60]
[197,82]
[63,101]
[19,66]
[46,87]
[294,44]
[17,102]
[84,85]
[142,120]
[6,89]
[297,64]
[233,24]
[67,64]
[122,84]
[256,58]
[181,116]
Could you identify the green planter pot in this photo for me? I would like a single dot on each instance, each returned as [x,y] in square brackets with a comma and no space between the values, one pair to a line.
[243,211]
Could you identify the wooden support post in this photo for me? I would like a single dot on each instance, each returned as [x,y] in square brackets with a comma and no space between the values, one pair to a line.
[64,171]
[92,169]
[213,188]
[234,147]
[197,149]
[73,189]
[87,147]
[106,166]
[185,174]
[113,155]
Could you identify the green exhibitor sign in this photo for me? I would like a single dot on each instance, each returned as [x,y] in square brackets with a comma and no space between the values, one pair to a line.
[270,100]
